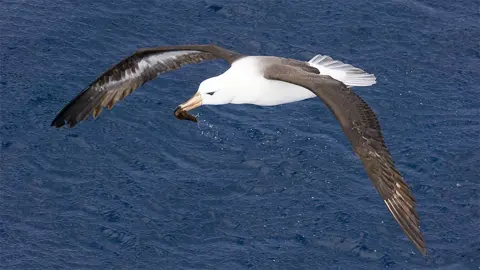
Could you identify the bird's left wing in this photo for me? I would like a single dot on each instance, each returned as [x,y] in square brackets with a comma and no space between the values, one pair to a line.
[362,129]
[132,72]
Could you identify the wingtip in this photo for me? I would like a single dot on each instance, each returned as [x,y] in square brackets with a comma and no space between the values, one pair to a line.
[421,246]
[55,123]
[58,123]
[424,252]
[409,225]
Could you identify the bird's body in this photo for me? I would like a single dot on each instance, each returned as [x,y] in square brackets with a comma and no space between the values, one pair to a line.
[265,81]
[245,80]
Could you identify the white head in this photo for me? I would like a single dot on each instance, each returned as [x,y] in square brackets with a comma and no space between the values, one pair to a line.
[212,91]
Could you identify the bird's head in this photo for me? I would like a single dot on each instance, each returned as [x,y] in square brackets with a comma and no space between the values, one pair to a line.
[212,91]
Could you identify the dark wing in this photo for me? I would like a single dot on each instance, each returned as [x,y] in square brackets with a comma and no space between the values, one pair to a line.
[132,72]
[362,129]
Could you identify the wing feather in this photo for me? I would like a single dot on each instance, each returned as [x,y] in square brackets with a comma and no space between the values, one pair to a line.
[132,72]
[360,125]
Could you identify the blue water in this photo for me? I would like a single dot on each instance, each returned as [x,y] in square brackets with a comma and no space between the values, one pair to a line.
[248,187]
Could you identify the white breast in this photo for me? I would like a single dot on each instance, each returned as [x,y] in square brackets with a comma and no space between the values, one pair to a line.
[246,80]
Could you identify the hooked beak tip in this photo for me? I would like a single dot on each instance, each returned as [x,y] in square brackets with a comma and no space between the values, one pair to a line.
[181,112]
[177,111]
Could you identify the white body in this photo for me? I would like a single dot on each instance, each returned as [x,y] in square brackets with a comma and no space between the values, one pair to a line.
[246,79]
[244,83]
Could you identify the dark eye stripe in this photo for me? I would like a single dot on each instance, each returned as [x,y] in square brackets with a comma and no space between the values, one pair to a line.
[210,93]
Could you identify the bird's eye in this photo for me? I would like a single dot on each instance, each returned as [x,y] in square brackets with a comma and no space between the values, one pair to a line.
[210,93]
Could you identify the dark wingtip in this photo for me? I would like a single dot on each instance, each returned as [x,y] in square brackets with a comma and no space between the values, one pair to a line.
[57,124]
[424,252]
[423,248]
[62,120]
[77,109]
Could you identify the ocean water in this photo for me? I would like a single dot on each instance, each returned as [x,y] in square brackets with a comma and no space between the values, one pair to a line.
[247,187]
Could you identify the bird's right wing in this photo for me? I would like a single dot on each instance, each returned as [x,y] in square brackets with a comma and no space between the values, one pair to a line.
[132,72]
[362,129]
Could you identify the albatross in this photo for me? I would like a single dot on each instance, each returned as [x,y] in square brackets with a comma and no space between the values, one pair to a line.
[264,81]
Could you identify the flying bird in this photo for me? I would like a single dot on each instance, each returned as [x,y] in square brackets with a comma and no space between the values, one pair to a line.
[264,81]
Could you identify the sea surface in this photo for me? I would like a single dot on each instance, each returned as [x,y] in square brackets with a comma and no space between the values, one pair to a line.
[248,187]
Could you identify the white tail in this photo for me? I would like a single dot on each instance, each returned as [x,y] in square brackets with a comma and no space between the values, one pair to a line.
[348,74]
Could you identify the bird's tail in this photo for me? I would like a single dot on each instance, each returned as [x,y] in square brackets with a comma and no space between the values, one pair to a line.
[348,74]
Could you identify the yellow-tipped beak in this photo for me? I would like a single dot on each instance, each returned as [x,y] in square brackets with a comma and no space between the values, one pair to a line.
[192,103]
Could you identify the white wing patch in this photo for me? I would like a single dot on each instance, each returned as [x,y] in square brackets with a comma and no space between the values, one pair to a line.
[148,62]
[348,74]
[155,59]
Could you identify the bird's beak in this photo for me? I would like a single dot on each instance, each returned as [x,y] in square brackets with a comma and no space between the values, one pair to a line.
[182,109]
